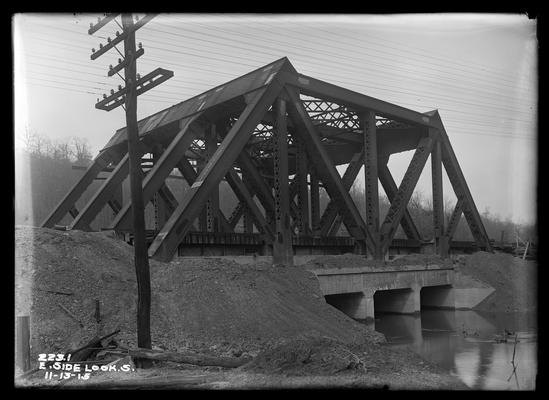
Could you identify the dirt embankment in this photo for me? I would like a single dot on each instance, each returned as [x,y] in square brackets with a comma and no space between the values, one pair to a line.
[514,279]
[206,305]
[211,305]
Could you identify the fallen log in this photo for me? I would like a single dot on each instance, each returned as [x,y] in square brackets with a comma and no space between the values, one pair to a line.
[189,358]
[94,345]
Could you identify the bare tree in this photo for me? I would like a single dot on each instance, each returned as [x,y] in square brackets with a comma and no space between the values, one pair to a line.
[61,150]
[82,151]
[35,143]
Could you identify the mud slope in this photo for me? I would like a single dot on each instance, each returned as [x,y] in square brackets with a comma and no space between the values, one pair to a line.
[205,304]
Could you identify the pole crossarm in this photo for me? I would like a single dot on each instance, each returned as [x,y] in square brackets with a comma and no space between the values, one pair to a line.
[405,190]
[142,85]
[327,172]
[166,242]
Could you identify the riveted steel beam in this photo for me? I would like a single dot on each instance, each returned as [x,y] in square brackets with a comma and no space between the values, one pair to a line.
[391,189]
[329,92]
[212,205]
[67,202]
[237,213]
[405,190]
[282,243]
[165,243]
[302,188]
[160,171]
[244,195]
[102,196]
[315,202]
[454,219]
[438,200]
[327,222]
[328,173]
[371,190]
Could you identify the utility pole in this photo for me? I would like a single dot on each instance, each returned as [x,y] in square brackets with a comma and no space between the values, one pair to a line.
[134,86]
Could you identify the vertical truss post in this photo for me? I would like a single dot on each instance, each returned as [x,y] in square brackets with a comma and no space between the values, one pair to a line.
[371,191]
[282,244]
[315,203]
[302,185]
[203,215]
[438,202]
[212,205]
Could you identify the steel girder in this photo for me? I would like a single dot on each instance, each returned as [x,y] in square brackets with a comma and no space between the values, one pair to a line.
[282,243]
[371,191]
[329,124]
[102,196]
[331,211]
[156,176]
[454,219]
[327,172]
[438,199]
[165,243]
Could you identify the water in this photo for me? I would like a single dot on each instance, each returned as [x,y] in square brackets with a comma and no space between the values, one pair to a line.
[463,343]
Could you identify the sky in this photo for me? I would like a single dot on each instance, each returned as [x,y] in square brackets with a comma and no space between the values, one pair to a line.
[478,70]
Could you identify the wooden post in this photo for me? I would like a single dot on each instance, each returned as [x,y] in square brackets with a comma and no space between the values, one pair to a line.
[23,343]
[141,257]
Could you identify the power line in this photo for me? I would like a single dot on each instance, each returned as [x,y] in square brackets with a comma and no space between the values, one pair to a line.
[384,88]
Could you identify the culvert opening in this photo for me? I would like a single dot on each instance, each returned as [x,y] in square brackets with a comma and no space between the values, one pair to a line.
[348,303]
[394,301]
[437,297]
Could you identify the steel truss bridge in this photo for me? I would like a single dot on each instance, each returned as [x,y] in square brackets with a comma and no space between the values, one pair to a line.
[276,136]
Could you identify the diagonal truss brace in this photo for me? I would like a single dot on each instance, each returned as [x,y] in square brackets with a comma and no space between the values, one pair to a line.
[165,243]
[402,197]
[157,175]
[391,189]
[66,205]
[330,213]
[327,172]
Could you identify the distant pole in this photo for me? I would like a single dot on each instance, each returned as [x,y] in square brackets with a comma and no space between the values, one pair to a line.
[23,343]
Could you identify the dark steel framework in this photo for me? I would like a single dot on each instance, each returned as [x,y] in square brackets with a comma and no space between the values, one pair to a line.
[276,136]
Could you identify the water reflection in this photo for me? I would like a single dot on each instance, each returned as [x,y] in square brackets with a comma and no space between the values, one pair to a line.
[466,344]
